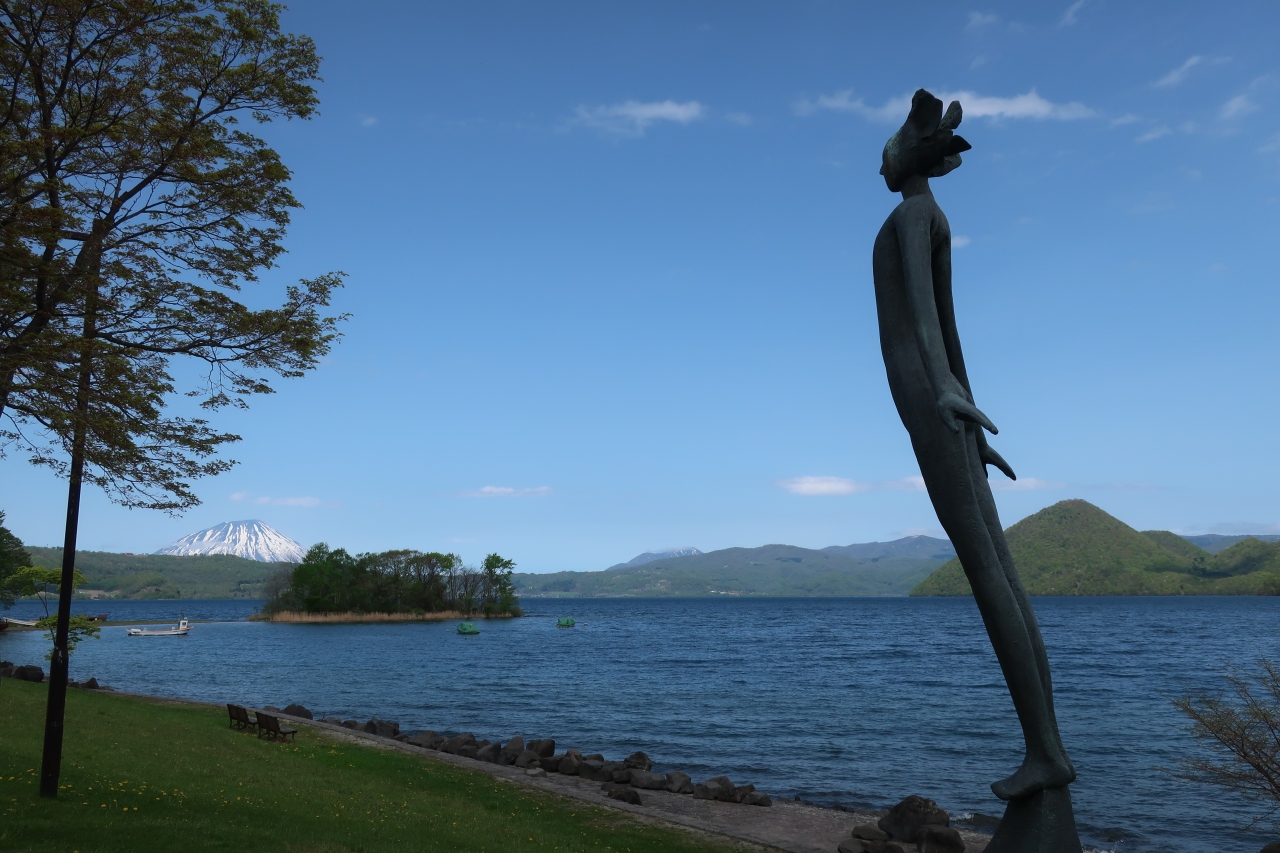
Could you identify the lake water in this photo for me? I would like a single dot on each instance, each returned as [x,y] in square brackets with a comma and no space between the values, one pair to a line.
[854,701]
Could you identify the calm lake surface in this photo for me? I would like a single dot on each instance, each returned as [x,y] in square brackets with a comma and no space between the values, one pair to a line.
[853,701]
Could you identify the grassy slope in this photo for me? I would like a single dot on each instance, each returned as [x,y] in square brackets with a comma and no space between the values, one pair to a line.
[1074,548]
[770,570]
[146,776]
[165,575]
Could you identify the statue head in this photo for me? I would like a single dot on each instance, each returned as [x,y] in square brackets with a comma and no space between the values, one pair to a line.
[925,144]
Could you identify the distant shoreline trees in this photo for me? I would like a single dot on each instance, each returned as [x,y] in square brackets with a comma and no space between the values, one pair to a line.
[331,580]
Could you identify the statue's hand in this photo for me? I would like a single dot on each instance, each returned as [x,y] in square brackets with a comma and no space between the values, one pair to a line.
[989,457]
[953,408]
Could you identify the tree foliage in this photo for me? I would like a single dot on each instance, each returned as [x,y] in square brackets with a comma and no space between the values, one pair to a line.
[1241,733]
[331,580]
[14,557]
[134,205]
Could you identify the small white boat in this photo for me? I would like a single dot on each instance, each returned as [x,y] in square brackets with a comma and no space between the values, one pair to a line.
[179,630]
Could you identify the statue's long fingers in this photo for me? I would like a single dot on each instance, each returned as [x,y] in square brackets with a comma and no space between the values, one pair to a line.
[970,412]
[992,457]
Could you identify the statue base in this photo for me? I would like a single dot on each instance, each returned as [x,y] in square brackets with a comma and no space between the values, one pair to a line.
[1040,823]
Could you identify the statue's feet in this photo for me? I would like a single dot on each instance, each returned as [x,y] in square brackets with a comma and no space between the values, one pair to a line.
[1034,776]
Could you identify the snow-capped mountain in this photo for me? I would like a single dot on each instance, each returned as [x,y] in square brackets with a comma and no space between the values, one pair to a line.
[253,540]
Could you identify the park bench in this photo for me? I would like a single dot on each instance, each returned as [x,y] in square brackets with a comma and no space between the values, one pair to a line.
[270,726]
[240,717]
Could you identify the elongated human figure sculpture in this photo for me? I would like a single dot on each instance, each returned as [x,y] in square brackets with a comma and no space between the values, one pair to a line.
[921,347]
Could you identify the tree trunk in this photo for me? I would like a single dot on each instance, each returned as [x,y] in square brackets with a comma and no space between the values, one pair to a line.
[51,762]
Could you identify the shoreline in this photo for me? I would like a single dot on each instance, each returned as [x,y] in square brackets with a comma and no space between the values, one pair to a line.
[300,618]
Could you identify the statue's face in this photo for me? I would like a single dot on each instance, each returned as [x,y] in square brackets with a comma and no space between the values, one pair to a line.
[889,169]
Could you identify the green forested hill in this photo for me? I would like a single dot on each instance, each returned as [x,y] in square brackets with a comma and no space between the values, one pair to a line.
[1074,548]
[769,570]
[164,575]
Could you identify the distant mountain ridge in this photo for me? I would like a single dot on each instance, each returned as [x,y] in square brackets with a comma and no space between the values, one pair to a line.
[650,556]
[1215,542]
[1075,548]
[882,568]
[252,540]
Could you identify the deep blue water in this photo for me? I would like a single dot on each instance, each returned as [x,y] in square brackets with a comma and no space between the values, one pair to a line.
[858,701]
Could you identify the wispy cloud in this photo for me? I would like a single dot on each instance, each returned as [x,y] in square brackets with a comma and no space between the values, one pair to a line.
[1024,484]
[742,119]
[1127,118]
[1178,74]
[1030,105]
[978,20]
[822,486]
[506,492]
[1070,16]
[1238,106]
[267,500]
[844,486]
[1272,144]
[1154,134]
[959,241]
[633,118]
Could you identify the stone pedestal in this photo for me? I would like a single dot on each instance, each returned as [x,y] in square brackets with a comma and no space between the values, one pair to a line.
[1040,823]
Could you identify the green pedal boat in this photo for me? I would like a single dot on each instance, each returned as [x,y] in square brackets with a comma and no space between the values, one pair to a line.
[467,628]
[565,622]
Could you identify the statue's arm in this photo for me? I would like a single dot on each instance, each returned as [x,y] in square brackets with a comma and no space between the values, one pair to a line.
[913,224]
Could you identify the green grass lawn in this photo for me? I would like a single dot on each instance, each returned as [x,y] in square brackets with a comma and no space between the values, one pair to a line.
[142,776]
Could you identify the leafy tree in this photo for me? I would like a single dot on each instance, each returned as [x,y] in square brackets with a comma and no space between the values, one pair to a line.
[1243,735]
[133,206]
[78,628]
[39,581]
[13,558]
[500,588]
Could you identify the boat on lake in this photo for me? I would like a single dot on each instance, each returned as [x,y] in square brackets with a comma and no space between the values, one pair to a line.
[467,628]
[179,630]
[565,622]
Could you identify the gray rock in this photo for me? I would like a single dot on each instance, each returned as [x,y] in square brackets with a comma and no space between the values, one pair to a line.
[570,763]
[1271,848]
[272,709]
[6,669]
[527,758]
[859,845]
[646,780]
[453,744]
[353,725]
[512,750]
[28,673]
[333,721]
[489,753]
[715,788]
[621,773]
[868,832]
[402,738]
[741,791]
[552,764]
[638,760]
[595,756]
[545,747]
[382,728]
[298,711]
[422,739]
[939,839]
[757,798]
[624,793]
[535,771]
[679,783]
[904,821]
[467,750]
[594,770]
[852,845]
[90,683]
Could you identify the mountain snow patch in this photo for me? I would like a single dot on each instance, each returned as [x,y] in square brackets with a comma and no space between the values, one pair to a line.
[253,540]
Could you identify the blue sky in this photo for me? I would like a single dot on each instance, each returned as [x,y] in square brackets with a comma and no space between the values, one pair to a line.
[609,272]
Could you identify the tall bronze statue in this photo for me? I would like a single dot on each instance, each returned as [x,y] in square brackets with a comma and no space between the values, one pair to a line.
[921,346]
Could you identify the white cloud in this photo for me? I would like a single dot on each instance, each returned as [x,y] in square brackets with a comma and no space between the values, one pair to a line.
[739,118]
[914,483]
[959,241]
[821,486]
[267,500]
[1154,133]
[368,121]
[1025,484]
[632,118]
[1030,105]
[1069,18]
[1127,118]
[506,492]
[977,20]
[1238,106]
[1179,74]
